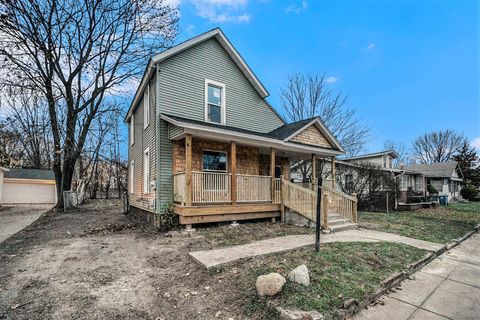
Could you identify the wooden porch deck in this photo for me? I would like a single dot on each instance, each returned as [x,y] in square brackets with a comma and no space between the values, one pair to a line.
[220,213]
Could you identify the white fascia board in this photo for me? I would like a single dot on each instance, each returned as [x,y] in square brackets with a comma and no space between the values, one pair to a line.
[138,95]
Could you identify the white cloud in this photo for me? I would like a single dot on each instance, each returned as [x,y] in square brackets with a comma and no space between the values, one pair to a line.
[221,11]
[297,8]
[190,28]
[476,143]
[370,46]
[331,79]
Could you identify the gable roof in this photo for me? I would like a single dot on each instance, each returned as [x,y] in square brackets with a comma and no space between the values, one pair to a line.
[216,33]
[372,155]
[289,131]
[439,170]
[39,174]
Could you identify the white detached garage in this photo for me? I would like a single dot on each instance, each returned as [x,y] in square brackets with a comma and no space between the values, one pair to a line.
[27,186]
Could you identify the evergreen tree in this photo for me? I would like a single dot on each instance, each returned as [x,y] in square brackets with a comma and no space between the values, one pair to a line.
[467,159]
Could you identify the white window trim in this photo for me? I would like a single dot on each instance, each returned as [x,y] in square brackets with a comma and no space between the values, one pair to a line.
[132,176]
[223,116]
[146,107]
[132,129]
[146,171]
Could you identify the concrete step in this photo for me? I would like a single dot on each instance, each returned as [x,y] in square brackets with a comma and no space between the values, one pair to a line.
[343,227]
[337,221]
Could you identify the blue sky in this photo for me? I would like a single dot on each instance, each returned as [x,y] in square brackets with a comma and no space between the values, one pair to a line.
[409,67]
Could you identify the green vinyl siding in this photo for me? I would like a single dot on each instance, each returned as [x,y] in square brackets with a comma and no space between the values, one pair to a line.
[182,86]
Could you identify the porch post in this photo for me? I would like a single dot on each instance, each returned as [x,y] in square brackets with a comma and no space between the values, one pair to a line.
[272,172]
[314,171]
[333,172]
[233,160]
[188,170]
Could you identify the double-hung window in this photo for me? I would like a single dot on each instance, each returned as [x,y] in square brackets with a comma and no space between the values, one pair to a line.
[146,171]
[132,176]
[214,102]
[132,129]
[349,182]
[146,107]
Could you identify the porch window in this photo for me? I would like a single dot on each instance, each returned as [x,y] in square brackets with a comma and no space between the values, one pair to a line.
[146,171]
[214,161]
[214,102]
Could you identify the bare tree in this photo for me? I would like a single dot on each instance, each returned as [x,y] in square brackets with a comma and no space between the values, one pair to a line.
[11,151]
[439,146]
[400,149]
[28,114]
[78,53]
[308,96]
[368,181]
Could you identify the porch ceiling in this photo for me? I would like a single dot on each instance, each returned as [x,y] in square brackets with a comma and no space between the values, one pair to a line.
[289,149]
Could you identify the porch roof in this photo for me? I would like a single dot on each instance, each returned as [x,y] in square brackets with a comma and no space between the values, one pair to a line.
[261,139]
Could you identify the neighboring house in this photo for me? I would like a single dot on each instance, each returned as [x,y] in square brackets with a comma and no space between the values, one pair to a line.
[348,169]
[203,136]
[445,177]
[382,159]
[27,186]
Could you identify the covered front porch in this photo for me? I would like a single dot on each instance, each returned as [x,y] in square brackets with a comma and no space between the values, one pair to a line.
[232,176]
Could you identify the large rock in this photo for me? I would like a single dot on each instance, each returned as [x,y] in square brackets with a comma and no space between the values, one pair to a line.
[299,315]
[270,284]
[300,275]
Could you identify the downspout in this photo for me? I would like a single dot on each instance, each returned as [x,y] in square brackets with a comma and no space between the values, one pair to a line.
[157,139]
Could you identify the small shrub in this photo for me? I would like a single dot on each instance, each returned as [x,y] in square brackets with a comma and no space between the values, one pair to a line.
[431,189]
[469,192]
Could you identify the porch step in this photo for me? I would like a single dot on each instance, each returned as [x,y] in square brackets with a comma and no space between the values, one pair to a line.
[343,227]
[337,222]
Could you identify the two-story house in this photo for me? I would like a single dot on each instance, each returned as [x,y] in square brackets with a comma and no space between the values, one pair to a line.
[203,138]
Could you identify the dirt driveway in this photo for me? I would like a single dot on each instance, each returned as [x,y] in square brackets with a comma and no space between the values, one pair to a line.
[95,263]
[14,219]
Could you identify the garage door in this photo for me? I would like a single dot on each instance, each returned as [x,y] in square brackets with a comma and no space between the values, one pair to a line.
[29,192]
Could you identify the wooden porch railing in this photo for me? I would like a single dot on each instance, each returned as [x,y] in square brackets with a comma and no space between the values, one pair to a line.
[278,191]
[299,199]
[304,201]
[252,188]
[340,203]
[179,186]
[211,187]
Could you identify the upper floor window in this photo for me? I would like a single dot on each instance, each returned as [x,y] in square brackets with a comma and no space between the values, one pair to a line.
[214,102]
[146,107]
[384,161]
[132,129]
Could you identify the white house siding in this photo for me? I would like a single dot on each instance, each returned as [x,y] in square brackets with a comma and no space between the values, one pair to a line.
[144,138]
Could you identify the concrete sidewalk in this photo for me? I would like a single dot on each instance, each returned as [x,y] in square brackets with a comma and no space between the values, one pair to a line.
[447,288]
[14,219]
[211,258]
